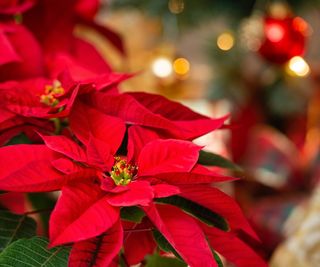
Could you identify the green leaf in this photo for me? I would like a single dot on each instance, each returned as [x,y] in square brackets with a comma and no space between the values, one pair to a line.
[156,260]
[132,214]
[218,260]
[164,244]
[13,227]
[202,213]
[34,252]
[19,139]
[211,159]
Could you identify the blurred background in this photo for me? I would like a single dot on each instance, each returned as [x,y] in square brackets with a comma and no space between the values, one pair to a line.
[260,62]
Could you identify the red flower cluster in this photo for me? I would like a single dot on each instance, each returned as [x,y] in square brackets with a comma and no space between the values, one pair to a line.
[112,155]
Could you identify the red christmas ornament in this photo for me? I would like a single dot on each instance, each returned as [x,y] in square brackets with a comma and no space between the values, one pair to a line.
[284,38]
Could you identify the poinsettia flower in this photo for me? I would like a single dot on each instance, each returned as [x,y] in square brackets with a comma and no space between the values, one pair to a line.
[97,179]
[94,184]
[38,97]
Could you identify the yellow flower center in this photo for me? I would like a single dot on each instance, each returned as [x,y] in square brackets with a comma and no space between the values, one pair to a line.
[49,98]
[122,172]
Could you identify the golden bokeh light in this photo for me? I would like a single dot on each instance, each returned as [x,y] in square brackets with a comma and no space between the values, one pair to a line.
[225,41]
[181,66]
[297,66]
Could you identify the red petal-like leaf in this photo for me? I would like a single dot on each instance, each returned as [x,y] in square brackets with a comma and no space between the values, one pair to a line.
[219,202]
[190,123]
[193,129]
[165,190]
[99,154]
[136,253]
[126,107]
[198,175]
[66,165]
[163,156]
[82,212]
[37,176]
[27,168]
[167,108]
[86,121]
[65,146]
[139,193]
[97,251]
[183,233]
[233,248]
[13,158]
[138,137]
[7,51]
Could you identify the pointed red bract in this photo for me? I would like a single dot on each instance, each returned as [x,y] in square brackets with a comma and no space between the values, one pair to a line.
[165,190]
[97,251]
[233,248]
[135,251]
[138,193]
[198,175]
[18,156]
[219,202]
[189,123]
[126,107]
[138,137]
[65,146]
[28,169]
[82,212]
[183,233]
[86,121]
[99,154]
[162,156]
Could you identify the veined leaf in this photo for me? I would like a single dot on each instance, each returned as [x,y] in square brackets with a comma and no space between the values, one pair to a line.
[13,227]
[133,214]
[211,159]
[164,244]
[156,260]
[34,252]
[202,213]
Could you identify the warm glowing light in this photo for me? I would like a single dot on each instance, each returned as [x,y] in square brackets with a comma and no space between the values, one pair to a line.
[299,24]
[162,67]
[298,66]
[225,41]
[181,66]
[176,6]
[274,32]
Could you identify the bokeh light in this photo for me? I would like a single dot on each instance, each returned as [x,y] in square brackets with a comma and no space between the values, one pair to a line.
[298,66]
[181,66]
[225,41]
[162,67]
